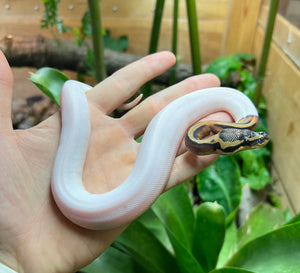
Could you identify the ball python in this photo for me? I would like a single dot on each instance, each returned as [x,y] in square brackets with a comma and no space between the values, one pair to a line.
[156,155]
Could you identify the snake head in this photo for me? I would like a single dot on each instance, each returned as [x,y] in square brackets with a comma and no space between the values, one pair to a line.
[233,140]
[228,141]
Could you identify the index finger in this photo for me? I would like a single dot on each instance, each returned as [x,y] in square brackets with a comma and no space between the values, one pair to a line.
[120,86]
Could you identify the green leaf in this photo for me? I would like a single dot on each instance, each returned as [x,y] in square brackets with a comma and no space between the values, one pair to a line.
[50,18]
[295,219]
[150,220]
[231,270]
[262,219]
[50,81]
[275,252]
[86,27]
[229,245]
[254,169]
[209,234]
[263,126]
[117,44]
[175,211]
[220,182]
[245,57]
[77,36]
[274,200]
[288,217]
[258,180]
[112,261]
[146,250]
[184,258]
[90,61]
[247,84]
[224,65]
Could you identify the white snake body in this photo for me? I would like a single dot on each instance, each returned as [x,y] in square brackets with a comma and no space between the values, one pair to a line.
[153,164]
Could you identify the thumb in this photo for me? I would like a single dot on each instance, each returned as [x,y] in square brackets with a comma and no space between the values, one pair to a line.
[6,84]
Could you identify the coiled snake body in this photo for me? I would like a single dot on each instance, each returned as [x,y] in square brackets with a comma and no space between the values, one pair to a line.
[156,155]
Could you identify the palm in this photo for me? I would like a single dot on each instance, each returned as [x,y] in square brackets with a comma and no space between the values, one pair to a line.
[30,223]
[111,148]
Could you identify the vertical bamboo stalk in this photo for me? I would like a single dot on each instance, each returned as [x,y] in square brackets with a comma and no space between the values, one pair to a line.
[98,43]
[194,36]
[261,71]
[174,41]
[156,25]
[154,39]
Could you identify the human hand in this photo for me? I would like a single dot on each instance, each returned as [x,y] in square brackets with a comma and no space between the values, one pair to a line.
[34,235]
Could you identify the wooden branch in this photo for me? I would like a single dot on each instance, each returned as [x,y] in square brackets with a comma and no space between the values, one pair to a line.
[38,51]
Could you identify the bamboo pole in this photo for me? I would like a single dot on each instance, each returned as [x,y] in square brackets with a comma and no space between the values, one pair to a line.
[98,43]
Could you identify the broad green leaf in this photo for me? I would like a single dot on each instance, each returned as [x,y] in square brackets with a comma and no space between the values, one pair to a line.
[220,182]
[50,81]
[229,245]
[230,270]
[175,211]
[209,234]
[184,258]
[262,219]
[275,252]
[146,250]
[150,220]
[112,261]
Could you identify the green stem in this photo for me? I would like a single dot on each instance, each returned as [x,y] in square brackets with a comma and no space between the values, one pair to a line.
[98,43]
[174,41]
[154,39]
[261,71]
[156,25]
[194,36]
